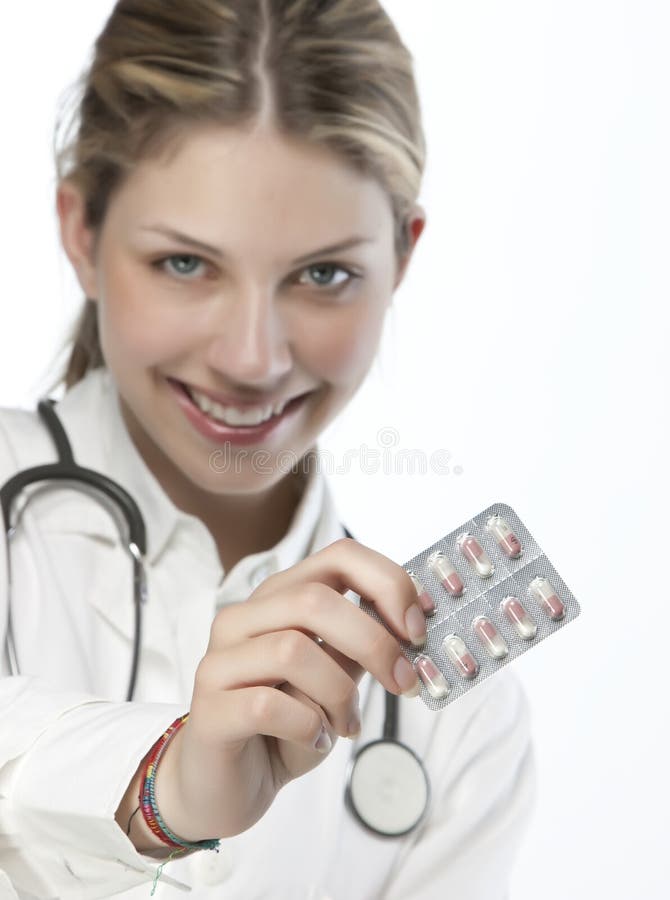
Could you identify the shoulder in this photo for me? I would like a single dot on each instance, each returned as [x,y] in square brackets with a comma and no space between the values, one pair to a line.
[22,437]
[25,439]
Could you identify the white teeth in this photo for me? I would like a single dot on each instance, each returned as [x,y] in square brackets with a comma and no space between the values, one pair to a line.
[233,416]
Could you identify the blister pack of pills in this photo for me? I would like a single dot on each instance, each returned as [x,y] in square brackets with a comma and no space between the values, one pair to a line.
[492,595]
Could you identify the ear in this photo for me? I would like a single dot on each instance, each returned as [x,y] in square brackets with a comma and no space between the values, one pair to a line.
[416,222]
[77,239]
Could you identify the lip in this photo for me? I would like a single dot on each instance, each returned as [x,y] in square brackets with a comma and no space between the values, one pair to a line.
[229,400]
[219,433]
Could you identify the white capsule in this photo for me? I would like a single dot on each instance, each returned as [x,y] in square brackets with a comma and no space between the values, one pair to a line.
[475,554]
[435,682]
[461,658]
[508,542]
[445,572]
[489,637]
[541,590]
[517,615]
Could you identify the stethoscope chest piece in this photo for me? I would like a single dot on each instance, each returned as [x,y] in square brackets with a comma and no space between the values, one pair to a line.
[387,788]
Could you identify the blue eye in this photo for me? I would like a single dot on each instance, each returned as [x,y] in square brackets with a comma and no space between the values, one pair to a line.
[160,263]
[331,267]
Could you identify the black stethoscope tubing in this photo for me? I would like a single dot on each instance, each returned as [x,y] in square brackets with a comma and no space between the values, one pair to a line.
[367,805]
[66,469]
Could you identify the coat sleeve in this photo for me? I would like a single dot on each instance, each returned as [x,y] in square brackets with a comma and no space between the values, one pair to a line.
[65,763]
[482,807]
[66,759]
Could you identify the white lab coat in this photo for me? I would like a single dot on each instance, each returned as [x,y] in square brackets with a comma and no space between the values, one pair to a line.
[69,743]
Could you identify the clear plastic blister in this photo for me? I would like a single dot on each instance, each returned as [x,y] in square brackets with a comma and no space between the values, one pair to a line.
[496,595]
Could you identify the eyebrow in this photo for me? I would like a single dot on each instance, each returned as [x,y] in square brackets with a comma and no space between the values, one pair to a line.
[208,248]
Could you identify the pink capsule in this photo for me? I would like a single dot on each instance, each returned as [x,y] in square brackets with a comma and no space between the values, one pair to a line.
[475,554]
[490,638]
[508,542]
[517,615]
[448,576]
[435,682]
[464,662]
[541,590]
[426,601]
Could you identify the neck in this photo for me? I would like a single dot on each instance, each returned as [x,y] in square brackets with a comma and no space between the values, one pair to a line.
[241,524]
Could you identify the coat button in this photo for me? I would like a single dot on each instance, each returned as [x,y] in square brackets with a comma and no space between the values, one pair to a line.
[211,867]
[261,572]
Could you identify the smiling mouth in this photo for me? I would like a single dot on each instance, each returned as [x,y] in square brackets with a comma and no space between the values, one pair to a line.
[233,417]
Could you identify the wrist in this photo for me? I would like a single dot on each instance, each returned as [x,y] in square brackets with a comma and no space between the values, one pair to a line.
[129,817]
[148,799]
[169,796]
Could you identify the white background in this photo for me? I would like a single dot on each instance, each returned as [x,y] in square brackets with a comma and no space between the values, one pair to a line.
[529,341]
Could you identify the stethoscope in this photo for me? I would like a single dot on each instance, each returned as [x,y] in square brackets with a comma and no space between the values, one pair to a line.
[387,786]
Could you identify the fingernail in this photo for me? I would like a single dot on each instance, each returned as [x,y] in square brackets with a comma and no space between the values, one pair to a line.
[416,625]
[354,726]
[406,677]
[323,742]
[414,692]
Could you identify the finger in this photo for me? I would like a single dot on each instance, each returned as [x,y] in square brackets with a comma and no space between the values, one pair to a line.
[226,718]
[325,612]
[297,757]
[346,565]
[354,722]
[350,666]
[285,656]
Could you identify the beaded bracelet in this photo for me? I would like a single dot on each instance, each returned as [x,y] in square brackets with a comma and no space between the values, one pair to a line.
[147,797]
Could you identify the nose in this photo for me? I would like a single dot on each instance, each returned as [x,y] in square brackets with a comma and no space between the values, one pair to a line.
[248,343]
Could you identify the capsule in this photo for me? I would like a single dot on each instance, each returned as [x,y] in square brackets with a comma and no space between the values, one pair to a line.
[463,661]
[489,637]
[475,554]
[435,682]
[508,542]
[517,615]
[542,590]
[426,601]
[448,576]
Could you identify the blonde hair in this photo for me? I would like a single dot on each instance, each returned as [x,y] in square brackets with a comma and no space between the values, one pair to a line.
[332,72]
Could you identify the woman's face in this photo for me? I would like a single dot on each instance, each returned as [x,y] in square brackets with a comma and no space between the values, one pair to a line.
[262,318]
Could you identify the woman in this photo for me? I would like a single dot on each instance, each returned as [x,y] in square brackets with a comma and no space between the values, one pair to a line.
[239,206]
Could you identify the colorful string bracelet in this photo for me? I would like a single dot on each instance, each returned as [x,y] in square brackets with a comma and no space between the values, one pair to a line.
[147,797]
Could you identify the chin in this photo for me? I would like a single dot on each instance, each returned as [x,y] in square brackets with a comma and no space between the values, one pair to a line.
[225,474]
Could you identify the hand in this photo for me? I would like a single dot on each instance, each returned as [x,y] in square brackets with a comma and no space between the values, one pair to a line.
[265,688]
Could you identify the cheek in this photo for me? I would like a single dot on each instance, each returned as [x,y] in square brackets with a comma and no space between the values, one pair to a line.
[133,323]
[341,350]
